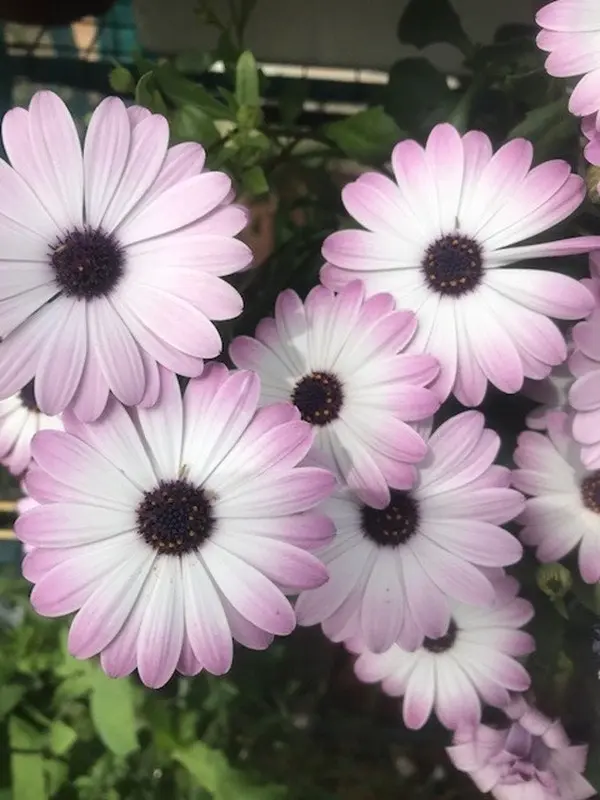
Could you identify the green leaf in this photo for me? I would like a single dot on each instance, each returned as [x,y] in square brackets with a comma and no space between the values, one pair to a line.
[246,81]
[191,124]
[183,92]
[147,95]
[193,61]
[248,118]
[426,22]
[226,50]
[205,764]
[10,695]
[212,771]
[26,762]
[56,773]
[255,181]
[587,594]
[121,80]
[548,128]
[71,689]
[62,737]
[368,136]
[23,735]
[537,120]
[460,115]
[417,95]
[291,101]
[235,786]
[143,90]
[28,780]
[113,714]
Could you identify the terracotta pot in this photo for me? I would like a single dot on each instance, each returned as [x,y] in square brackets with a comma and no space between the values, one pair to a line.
[43,12]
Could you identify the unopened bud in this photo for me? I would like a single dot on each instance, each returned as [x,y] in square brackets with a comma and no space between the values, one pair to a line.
[554,580]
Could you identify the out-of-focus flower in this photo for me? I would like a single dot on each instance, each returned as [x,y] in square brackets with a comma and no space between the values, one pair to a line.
[569,34]
[437,238]
[451,674]
[530,758]
[563,510]
[338,359]
[584,363]
[170,530]
[20,420]
[110,258]
[394,571]
[552,393]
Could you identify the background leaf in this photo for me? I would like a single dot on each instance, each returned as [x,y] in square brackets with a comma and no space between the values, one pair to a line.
[368,136]
[426,22]
[417,95]
[28,781]
[62,737]
[191,124]
[246,81]
[112,712]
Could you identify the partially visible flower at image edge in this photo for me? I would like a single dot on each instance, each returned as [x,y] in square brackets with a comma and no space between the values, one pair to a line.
[171,530]
[562,511]
[528,758]
[111,257]
[584,364]
[439,237]
[20,420]
[551,393]
[570,30]
[339,360]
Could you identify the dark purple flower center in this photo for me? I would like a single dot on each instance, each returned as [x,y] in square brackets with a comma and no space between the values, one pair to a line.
[442,643]
[27,397]
[393,525]
[87,263]
[590,492]
[318,397]
[175,518]
[453,265]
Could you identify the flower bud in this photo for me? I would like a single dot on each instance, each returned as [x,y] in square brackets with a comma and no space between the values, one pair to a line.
[554,580]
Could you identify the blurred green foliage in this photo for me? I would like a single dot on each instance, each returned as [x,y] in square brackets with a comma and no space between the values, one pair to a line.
[293,723]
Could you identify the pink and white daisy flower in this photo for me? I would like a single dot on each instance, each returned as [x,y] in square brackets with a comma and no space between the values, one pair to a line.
[111,257]
[563,510]
[552,394]
[570,33]
[338,359]
[584,363]
[20,420]
[529,758]
[437,238]
[170,530]
[394,571]
[452,674]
